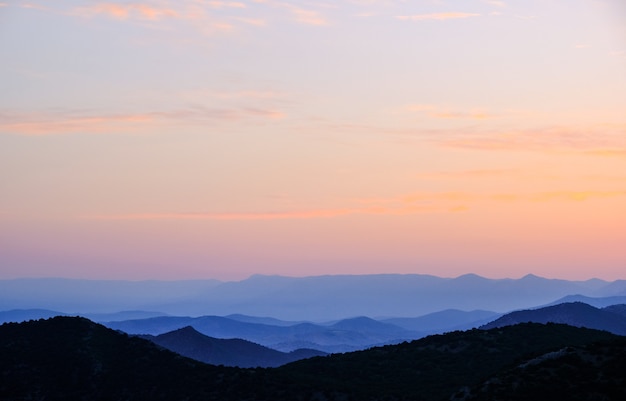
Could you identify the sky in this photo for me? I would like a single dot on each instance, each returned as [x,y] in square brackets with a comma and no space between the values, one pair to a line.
[184,139]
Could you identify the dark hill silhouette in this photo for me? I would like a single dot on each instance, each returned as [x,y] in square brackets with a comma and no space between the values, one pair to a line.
[550,375]
[71,358]
[74,359]
[576,314]
[231,352]
[434,367]
[21,315]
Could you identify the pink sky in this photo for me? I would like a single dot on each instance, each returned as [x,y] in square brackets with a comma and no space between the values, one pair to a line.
[218,139]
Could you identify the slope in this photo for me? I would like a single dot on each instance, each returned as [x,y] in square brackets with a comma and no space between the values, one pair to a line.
[74,359]
[231,352]
[574,314]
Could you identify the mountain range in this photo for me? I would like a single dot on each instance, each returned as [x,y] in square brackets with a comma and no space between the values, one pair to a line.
[342,336]
[70,358]
[578,314]
[349,334]
[230,352]
[315,299]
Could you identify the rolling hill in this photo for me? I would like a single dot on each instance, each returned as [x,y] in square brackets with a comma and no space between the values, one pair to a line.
[589,372]
[576,314]
[74,359]
[232,352]
[343,336]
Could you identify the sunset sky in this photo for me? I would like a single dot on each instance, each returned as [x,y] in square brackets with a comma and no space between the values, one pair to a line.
[181,139]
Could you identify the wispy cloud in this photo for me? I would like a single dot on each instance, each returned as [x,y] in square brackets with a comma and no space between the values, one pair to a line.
[128,10]
[439,112]
[81,122]
[578,139]
[496,3]
[307,214]
[618,152]
[437,16]
[576,196]
[223,4]
[306,16]
[207,17]
[410,204]
[465,174]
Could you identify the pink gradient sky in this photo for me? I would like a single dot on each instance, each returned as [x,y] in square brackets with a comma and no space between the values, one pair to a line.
[164,139]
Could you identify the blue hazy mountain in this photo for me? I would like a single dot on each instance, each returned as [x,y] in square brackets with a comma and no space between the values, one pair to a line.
[262,320]
[345,335]
[598,302]
[447,320]
[228,352]
[317,298]
[576,314]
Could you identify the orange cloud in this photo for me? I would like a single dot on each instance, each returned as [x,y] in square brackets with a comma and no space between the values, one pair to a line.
[463,174]
[308,17]
[49,124]
[608,152]
[301,15]
[496,3]
[436,16]
[310,214]
[600,140]
[225,4]
[441,113]
[445,202]
[575,195]
[252,21]
[68,122]
[125,11]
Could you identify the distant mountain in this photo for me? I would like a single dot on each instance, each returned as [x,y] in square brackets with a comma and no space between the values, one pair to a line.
[123,315]
[598,302]
[447,320]
[102,296]
[617,287]
[74,359]
[576,314]
[233,352]
[342,336]
[299,298]
[262,320]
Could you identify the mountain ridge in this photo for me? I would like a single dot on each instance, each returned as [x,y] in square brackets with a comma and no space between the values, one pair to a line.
[298,298]
[577,314]
[188,342]
[67,358]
